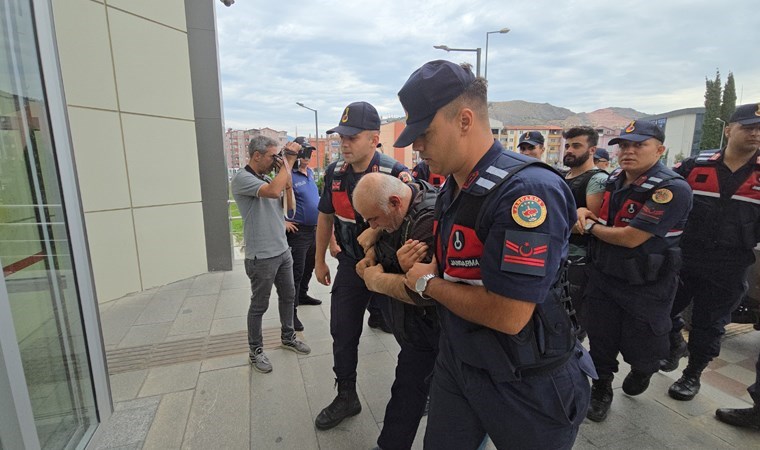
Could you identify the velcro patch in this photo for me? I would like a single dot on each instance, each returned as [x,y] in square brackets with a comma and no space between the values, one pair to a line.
[525,252]
[651,213]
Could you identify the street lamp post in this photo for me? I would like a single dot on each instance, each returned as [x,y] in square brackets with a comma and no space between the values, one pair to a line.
[476,50]
[316,137]
[722,132]
[502,31]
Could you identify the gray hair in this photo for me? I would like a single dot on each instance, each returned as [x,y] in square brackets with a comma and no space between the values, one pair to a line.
[260,144]
[382,187]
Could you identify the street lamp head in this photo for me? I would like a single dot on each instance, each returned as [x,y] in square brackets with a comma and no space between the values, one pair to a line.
[442,47]
[504,30]
[300,104]
[720,120]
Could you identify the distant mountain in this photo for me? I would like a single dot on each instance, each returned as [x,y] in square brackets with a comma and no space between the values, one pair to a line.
[519,112]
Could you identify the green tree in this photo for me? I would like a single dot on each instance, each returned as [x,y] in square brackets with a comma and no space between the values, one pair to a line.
[728,105]
[711,128]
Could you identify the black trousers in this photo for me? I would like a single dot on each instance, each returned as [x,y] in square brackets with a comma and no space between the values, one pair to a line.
[303,246]
[349,299]
[715,294]
[418,339]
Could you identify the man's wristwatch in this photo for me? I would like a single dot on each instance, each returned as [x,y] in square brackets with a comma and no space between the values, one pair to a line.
[589,225]
[422,283]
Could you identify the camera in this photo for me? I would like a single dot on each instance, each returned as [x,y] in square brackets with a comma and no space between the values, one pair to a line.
[227,2]
[306,148]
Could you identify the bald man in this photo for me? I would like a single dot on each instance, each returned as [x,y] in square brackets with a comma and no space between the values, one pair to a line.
[404,213]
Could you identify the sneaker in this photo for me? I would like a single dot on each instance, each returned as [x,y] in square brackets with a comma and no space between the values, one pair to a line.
[259,361]
[296,346]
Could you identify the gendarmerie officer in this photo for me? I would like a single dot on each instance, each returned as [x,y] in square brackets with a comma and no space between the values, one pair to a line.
[359,130]
[634,263]
[723,229]
[422,172]
[503,222]
[403,212]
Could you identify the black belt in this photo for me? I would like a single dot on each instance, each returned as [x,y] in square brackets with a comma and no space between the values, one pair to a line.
[302,227]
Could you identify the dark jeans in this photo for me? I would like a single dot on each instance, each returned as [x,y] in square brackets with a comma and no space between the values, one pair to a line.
[715,295]
[466,403]
[349,299]
[419,347]
[264,273]
[303,248]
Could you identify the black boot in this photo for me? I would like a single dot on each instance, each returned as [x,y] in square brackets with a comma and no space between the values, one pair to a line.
[636,382]
[601,399]
[346,404]
[688,385]
[745,417]
[678,349]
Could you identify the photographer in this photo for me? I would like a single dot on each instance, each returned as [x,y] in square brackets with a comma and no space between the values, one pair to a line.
[301,228]
[267,258]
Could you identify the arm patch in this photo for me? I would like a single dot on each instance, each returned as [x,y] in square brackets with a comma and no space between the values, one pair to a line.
[525,252]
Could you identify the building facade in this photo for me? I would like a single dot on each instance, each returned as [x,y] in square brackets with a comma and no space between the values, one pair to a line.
[113,181]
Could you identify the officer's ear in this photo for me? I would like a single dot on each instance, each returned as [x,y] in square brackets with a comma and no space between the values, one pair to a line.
[394,201]
[466,120]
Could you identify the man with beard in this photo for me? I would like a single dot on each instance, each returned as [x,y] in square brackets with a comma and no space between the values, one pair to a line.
[587,183]
[634,266]
[718,242]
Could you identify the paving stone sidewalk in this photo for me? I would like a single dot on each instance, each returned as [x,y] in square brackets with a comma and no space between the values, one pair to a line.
[180,380]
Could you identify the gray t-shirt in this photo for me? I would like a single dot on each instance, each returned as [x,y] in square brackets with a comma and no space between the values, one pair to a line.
[263,223]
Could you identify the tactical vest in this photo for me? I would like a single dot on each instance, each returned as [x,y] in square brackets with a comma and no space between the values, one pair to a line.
[547,340]
[578,187]
[722,219]
[350,224]
[651,261]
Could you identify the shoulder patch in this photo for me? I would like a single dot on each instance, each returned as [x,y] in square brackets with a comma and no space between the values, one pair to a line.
[529,211]
[662,196]
[525,252]
[405,177]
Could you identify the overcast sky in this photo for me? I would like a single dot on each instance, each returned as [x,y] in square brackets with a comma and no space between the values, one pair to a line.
[579,54]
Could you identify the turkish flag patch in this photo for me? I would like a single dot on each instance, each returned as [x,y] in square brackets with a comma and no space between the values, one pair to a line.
[525,252]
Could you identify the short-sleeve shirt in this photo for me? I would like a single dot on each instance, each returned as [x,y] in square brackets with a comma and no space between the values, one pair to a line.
[263,222]
[499,224]
[666,219]
[307,197]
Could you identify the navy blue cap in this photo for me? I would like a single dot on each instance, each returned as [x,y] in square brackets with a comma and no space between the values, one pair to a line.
[300,140]
[601,154]
[428,89]
[357,117]
[746,114]
[532,138]
[639,131]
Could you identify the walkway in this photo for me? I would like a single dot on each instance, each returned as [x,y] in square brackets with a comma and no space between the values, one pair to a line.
[180,379]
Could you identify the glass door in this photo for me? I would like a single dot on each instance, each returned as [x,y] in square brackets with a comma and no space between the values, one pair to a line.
[35,249]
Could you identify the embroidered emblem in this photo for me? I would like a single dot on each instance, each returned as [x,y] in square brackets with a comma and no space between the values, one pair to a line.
[662,196]
[458,240]
[525,252]
[757,113]
[529,211]
[631,208]
[405,177]
[344,119]
[629,129]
